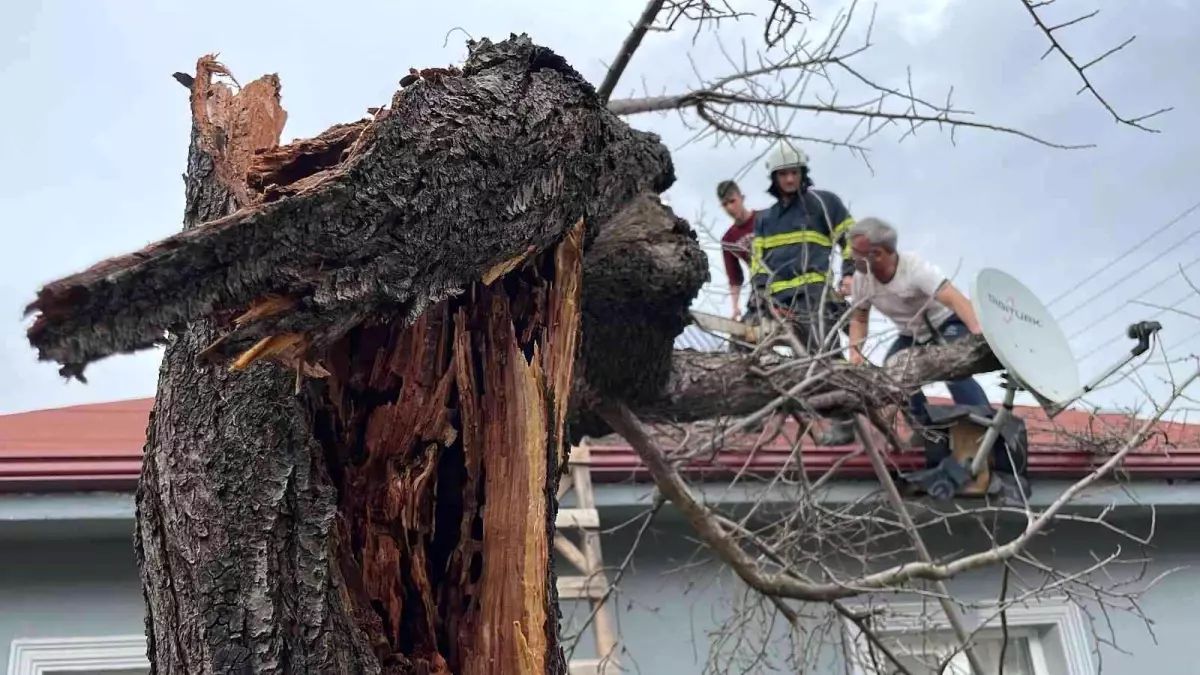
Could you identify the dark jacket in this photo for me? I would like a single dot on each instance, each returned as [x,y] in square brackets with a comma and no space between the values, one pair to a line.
[793,243]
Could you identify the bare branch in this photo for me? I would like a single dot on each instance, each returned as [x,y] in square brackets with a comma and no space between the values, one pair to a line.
[790,585]
[1055,46]
[746,103]
[784,16]
[628,47]
[893,494]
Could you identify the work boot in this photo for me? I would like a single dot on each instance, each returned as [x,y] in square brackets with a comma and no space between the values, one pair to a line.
[840,432]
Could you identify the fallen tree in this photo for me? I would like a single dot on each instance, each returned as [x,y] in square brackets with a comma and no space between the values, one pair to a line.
[709,385]
[384,501]
[379,219]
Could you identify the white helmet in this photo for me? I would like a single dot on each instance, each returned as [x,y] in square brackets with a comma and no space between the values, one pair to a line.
[786,157]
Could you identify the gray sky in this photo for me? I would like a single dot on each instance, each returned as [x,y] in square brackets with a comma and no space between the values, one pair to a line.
[97,138]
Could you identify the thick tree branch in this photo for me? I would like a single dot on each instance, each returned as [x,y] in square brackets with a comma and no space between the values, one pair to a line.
[393,218]
[787,583]
[640,275]
[711,385]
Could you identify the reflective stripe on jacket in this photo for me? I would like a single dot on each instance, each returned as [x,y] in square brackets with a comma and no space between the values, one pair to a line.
[793,242]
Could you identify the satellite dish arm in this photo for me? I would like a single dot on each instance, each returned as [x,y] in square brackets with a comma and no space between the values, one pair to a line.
[1143,332]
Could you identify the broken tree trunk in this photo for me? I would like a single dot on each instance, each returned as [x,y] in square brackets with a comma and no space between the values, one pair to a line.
[394,514]
[444,440]
[641,273]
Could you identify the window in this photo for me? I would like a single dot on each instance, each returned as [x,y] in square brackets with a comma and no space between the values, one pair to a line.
[118,655]
[921,654]
[1047,638]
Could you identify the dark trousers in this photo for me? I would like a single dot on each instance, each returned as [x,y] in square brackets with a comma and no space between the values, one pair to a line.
[804,313]
[964,392]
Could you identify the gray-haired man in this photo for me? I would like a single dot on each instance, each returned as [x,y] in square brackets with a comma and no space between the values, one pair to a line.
[914,294]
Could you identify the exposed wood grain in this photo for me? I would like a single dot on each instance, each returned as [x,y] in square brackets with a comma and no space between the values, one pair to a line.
[235,512]
[396,516]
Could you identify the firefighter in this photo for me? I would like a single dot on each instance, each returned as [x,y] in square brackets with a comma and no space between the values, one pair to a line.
[792,260]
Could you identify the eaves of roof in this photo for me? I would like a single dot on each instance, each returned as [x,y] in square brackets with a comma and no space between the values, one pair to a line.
[99,447]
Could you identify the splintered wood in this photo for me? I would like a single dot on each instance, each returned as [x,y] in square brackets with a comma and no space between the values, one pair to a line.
[449,437]
[563,330]
[513,586]
[233,131]
[401,507]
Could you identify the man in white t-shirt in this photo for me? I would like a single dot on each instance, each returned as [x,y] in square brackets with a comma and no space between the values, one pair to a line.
[915,295]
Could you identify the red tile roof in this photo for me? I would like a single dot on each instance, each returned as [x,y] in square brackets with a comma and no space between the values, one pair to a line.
[94,447]
[84,447]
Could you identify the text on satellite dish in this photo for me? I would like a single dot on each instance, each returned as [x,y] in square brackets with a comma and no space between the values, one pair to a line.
[1010,311]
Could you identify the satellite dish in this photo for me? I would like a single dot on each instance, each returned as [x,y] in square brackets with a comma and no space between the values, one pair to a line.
[1025,337]
[1037,357]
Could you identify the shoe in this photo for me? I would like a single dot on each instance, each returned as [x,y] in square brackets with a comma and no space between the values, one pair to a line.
[839,433]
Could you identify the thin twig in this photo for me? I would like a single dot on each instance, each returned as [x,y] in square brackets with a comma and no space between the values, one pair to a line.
[1055,46]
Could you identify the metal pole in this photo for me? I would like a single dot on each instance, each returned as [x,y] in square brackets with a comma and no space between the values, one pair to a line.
[994,426]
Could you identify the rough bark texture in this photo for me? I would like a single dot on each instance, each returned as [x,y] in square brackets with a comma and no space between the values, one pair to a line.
[394,514]
[464,172]
[235,510]
[640,276]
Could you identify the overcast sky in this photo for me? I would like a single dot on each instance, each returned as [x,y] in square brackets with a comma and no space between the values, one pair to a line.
[96,138]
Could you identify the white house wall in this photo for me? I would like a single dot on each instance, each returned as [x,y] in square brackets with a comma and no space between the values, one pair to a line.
[670,600]
[68,588]
[674,599]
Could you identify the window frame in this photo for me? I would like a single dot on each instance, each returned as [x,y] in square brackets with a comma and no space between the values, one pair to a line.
[1058,638]
[47,656]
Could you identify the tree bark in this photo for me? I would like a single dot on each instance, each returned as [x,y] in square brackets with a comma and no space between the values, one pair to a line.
[234,508]
[389,506]
[640,276]
[709,385]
